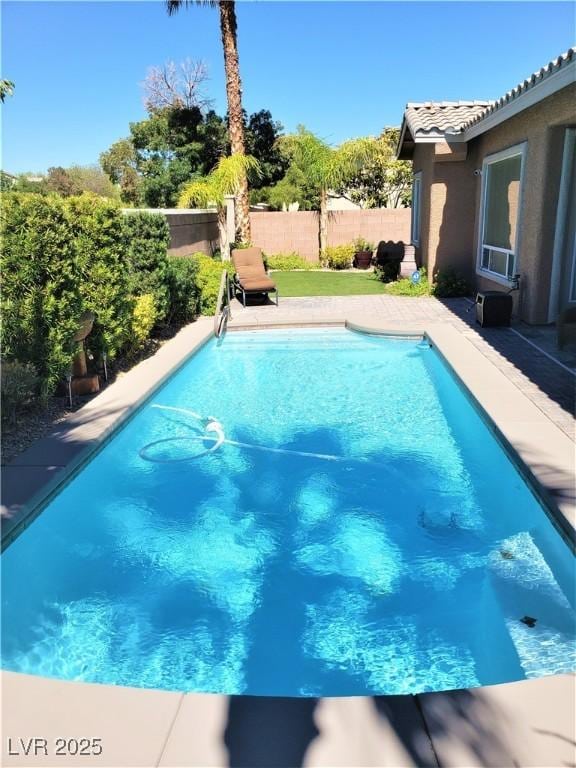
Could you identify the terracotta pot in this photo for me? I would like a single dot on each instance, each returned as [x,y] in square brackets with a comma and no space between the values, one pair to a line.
[363,259]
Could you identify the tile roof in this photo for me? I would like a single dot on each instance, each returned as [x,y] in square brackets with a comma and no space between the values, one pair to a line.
[542,74]
[434,117]
[438,117]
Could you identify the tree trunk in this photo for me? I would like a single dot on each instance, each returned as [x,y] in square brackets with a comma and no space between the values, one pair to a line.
[323,220]
[235,114]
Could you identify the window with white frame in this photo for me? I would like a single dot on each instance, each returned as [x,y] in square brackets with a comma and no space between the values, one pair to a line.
[501,196]
[416,196]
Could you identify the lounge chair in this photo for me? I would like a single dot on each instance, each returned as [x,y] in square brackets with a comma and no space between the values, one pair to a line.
[251,276]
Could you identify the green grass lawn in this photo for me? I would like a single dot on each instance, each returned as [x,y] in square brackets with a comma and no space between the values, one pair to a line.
[327,283]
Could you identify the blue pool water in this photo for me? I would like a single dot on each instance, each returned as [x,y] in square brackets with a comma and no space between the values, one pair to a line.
[387,545]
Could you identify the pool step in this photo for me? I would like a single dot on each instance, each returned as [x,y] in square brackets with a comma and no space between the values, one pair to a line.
[536,611]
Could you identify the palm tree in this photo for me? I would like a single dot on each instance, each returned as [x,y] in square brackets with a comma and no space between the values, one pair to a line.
[324,167]
[227,178]
[6,89]
[228,28]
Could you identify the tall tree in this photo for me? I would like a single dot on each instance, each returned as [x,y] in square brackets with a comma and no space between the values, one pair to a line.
[228,31]
[174,145]
[384,182]
[176,85]
[262,134]
[325,167]
[78,179]
[120,164]
[211,190]
[59,180]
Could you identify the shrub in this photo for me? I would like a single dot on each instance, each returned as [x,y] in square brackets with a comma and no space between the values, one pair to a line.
[405,286]
[287,261]
[208,281]
[144,317]
[148,236]
[450,284]
[362,245]
[97,228]
[387,271]
[42,300]
[19,383]
[61,258]
[183,288]
[337,256]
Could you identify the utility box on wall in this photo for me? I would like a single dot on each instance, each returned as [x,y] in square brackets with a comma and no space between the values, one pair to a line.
[493,308]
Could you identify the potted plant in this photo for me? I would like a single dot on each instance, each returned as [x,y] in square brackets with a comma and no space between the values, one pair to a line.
[362,253]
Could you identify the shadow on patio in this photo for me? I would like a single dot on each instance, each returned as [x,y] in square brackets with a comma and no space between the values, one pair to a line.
[478,727]
[551,379]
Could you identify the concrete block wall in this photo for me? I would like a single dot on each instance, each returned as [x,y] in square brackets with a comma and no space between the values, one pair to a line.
[190,230]
[283,232]
[375,224]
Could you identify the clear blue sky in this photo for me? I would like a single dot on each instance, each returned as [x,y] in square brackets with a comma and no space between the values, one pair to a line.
[342,68]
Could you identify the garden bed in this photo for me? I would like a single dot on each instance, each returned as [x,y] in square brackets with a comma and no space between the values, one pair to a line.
[40,417]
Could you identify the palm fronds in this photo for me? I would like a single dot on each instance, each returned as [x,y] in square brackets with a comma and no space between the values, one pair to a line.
[225,179]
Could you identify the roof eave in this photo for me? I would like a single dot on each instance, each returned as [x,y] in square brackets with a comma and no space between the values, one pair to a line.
[540,91]
[399,146]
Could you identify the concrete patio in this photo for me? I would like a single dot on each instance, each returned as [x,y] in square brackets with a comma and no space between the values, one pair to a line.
[520,724]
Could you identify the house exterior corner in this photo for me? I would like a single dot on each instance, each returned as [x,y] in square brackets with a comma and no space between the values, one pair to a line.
[496,193]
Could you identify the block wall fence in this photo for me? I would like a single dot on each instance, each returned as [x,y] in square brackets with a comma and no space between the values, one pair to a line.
[190,230]
[284,232]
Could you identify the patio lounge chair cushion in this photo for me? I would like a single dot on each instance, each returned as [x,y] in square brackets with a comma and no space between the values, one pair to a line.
[258,284]
[250,271]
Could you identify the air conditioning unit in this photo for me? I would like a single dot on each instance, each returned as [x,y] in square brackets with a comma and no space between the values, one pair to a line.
[493,308]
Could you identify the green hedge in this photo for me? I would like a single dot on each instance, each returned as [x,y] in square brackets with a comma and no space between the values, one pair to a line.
[405,287]
[40,285]
[337,256]
[147,238]
[184,289]
[449,283]
[288,261]
[98,233]
[63,257]
[208,280]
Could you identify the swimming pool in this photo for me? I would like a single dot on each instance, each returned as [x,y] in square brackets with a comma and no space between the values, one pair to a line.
[349,525]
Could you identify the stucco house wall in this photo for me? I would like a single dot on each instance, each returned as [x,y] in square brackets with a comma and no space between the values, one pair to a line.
[447,217]
[451,199]
[542,127]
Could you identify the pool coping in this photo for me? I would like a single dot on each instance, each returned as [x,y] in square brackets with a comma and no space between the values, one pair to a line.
[527,723]
[544,451]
